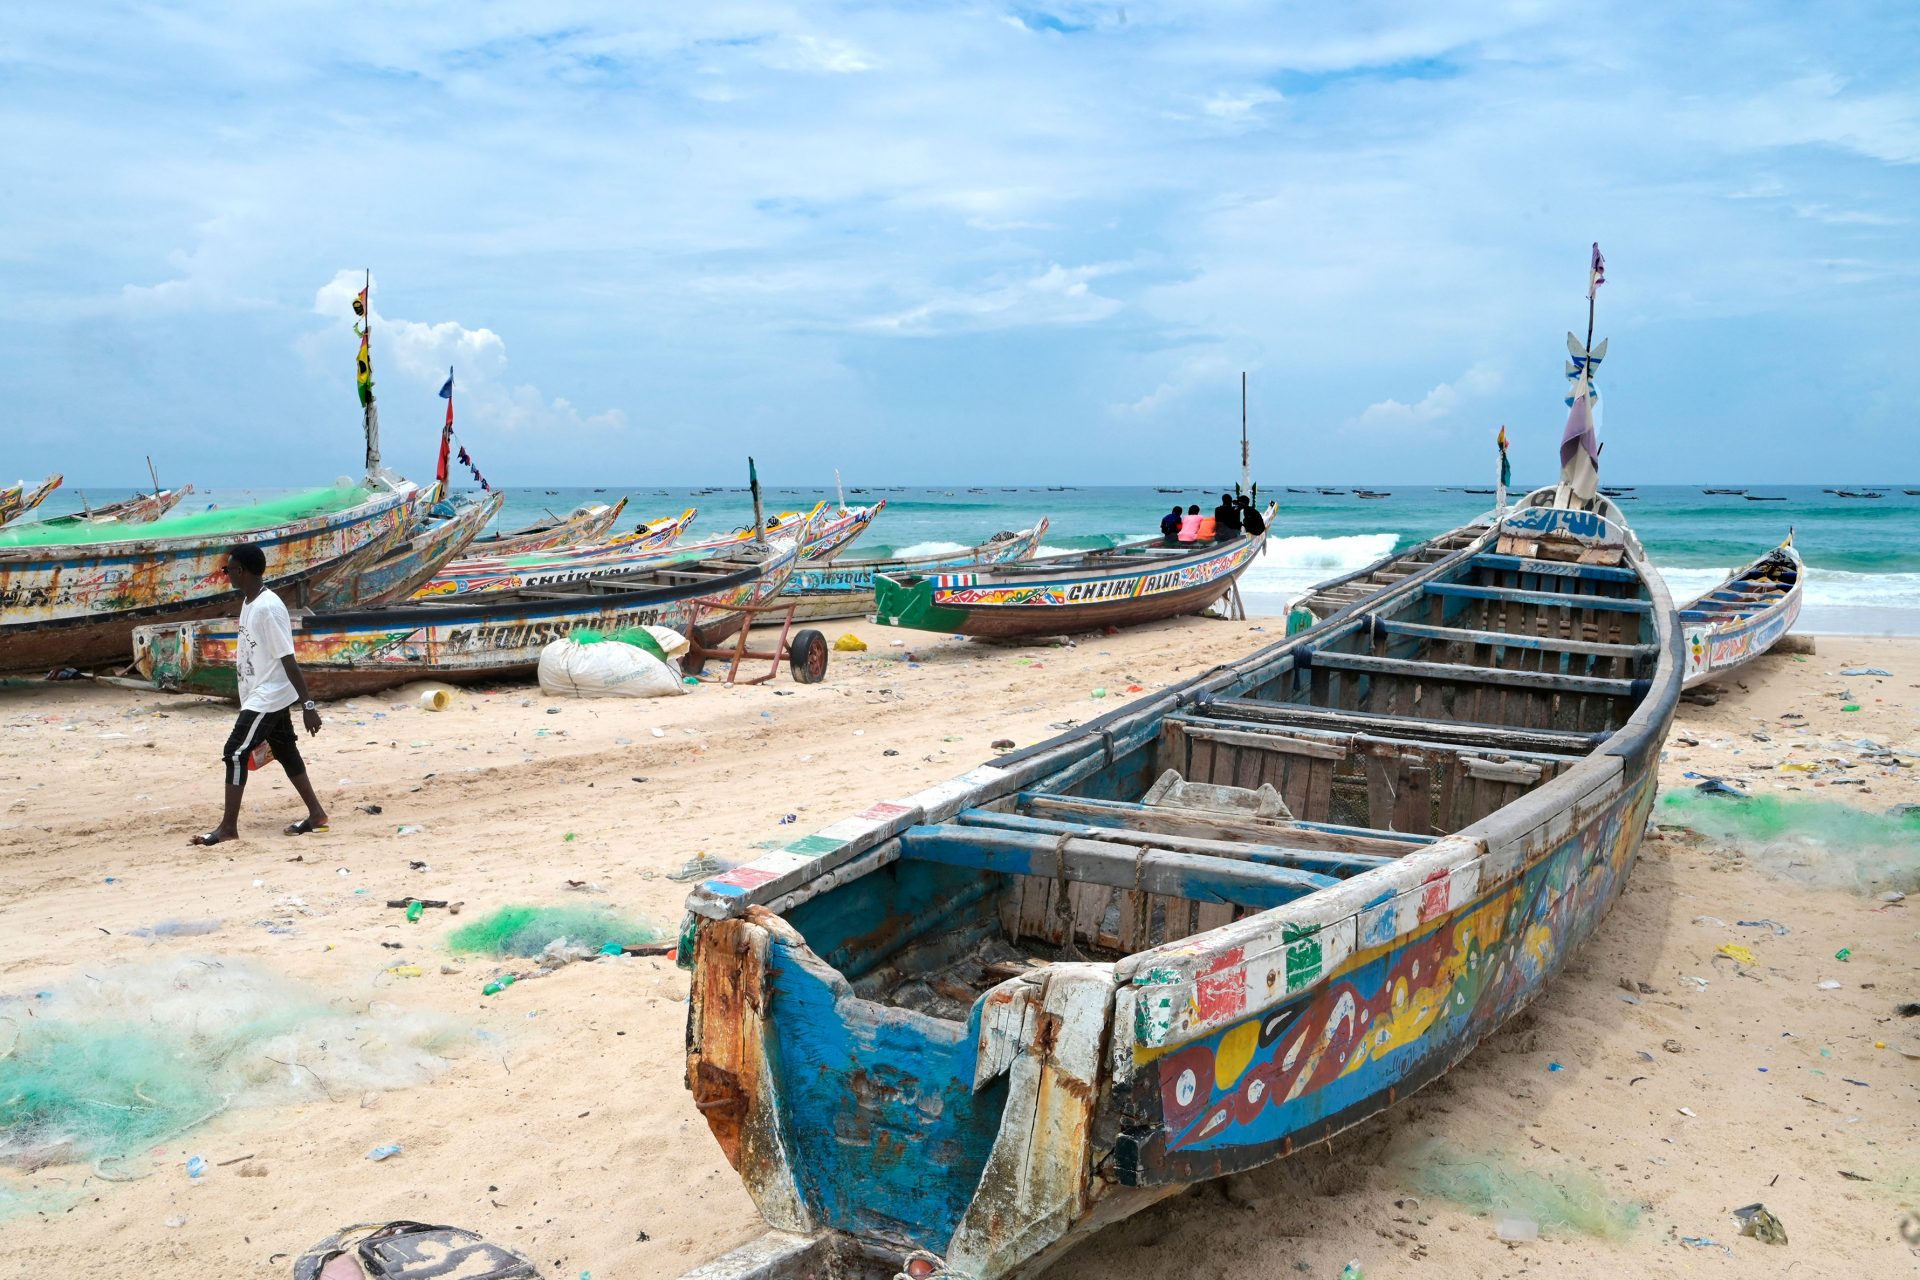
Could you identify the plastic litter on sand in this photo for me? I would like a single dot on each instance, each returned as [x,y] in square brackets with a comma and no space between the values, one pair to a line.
[1817,842]
[1561,1199]
[528,931]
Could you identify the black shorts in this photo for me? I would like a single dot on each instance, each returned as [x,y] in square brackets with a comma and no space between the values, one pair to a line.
[275,728]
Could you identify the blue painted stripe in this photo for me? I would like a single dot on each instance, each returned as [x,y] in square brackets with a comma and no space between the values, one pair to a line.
[1569,600]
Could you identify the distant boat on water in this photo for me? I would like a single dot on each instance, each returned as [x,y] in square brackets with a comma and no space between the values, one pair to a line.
[1725,491]
[1849,493]
[1764,497]
[1369,493]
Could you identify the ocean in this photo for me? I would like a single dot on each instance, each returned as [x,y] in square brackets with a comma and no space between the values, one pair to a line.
[1863,555]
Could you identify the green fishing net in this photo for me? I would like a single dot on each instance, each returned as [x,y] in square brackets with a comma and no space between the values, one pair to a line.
[638,637]
[527,931]
[1818,842]
[1565,1199]
[129,1055]
[194,524]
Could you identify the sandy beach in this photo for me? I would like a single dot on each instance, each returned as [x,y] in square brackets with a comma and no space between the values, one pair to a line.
[1689,1081]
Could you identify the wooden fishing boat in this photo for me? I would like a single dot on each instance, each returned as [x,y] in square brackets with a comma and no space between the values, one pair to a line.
[463,640]
[141,508]
[834,534]
[1060,595]
[1340,593]
[484,575]
[72,595]
[1737,621]
[17,500]
[844,588]
[384,574]
[584,524]
[954,1033]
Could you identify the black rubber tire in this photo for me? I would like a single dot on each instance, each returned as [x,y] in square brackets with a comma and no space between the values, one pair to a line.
[807,657]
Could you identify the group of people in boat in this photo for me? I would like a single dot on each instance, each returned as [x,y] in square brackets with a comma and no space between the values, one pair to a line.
[1233,517]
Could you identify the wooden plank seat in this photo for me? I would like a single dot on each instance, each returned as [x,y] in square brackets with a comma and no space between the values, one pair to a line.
[1456,732]
[1263,846]
[1554,568]
[1512,640]
[1076,859]
[1326,836]
[1452,672]
[1562,600]
[1345,742]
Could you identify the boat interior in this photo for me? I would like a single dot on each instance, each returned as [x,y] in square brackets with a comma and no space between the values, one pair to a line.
[1752,591]
[1371,735]
[1469,683]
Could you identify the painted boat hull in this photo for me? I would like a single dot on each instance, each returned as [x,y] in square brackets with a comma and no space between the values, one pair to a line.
[983,604]
[488,639]
[141,508]
[845,589]
[589,524]
[71,605]
[383,575]
[834,534]
[867,1116]
[15,502]
[1721,641]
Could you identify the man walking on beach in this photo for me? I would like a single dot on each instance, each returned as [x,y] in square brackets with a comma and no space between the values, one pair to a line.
[270,683]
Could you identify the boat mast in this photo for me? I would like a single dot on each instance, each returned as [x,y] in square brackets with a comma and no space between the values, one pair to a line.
[759,516]
[1246,474]
[153,476]
[370,410]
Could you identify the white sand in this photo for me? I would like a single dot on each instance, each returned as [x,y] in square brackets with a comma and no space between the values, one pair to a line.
[570,1137]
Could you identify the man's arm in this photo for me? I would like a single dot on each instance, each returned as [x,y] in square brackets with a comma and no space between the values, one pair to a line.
[309,714]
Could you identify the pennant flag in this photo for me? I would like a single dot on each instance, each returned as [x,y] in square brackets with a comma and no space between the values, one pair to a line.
[1596,273]
[1579,450]
[360,302]
[1506,467]
[364,373]
[446,433]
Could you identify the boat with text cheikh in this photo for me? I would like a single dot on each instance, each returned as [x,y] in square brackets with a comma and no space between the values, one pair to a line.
[845,588]
[1741,618]
[1059,595]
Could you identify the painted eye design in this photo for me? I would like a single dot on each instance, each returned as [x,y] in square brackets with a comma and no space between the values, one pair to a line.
[1183,1088]
[1186,1085]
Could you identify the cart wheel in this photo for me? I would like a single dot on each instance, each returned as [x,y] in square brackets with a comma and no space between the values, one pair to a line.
[807,657]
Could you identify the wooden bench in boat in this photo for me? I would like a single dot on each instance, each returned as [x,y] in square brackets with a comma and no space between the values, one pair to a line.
[1455,732]
[1555,599]
[1511,640]
[1554,568]
[1307,659]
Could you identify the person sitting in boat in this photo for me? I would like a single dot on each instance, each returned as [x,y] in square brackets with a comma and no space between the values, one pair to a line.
[1250,522]
[1226,519]
[1205,531]
[1170,525]
[1190,525]
[270,683]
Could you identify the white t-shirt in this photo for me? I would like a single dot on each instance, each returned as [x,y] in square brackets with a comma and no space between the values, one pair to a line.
[266,636]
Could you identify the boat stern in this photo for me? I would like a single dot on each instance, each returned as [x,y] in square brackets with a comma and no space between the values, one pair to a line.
[907,601]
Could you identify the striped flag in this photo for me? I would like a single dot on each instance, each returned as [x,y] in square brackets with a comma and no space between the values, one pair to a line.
[446,433]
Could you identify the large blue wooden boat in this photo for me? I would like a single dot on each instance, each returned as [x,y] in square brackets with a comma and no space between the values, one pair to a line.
[953,1033]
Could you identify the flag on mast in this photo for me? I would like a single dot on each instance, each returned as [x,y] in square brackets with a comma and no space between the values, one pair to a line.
[363,374]
[1597,273]
[1506,468]
[446,433]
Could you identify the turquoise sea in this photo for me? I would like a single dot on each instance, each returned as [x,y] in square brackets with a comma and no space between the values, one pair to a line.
[1863,554]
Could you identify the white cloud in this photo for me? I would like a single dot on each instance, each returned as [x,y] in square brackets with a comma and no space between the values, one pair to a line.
[1057,296]
[1436,408]
[818,53]
[1238,108]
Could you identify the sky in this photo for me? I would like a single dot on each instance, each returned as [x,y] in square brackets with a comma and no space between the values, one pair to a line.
[944,243]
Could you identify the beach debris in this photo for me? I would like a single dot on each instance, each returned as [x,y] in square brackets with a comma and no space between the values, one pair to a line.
[1736,953]
[699,867]
[889,752]
[1825,843]
[196,1166]
[1828,984]
[175,929]
[405,970]
[368,808]
[1851,1176]
[408,904]
[1353,1270]
[1714,921]
[1003,744]
[409,1251]
[1758,1222]
[1779,930]
[1561,1198]
[1864,671]
[1516,1228]
[529,931]
[409,830]
[1670,1045]
[1843,955]
[1720,787]
[1705,1242]
[850,643]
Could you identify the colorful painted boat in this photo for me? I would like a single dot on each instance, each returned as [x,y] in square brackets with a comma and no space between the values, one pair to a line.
[463,640]
[584,524]
[141,508]
[1060,595]
[844,588]
[1737,621]
[384,574]
[72,595]
[834,534]
[952,1034]
[17,500]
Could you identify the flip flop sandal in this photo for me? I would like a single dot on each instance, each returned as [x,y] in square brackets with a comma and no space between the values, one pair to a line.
[305,827]
[208,839]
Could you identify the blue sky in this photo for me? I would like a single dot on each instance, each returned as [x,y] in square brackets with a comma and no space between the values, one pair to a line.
[958,243]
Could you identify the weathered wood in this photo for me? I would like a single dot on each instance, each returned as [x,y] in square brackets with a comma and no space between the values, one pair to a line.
[1483,675]
[1507,640]
[1270,851]
[1297,834]
[1465,733]
[1617,604]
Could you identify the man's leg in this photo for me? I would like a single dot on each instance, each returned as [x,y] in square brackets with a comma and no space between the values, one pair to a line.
[286,749]
[246,733]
